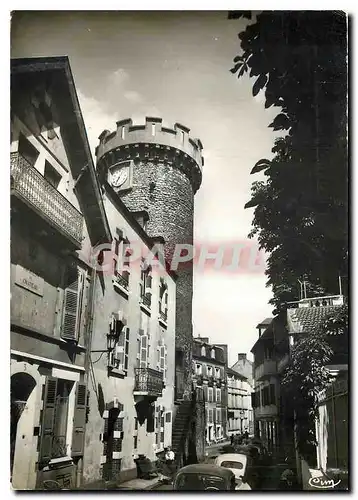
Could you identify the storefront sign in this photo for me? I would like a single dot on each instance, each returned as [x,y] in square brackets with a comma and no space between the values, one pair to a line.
[28,280]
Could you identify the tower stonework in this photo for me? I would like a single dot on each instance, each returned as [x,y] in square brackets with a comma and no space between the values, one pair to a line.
[165,171]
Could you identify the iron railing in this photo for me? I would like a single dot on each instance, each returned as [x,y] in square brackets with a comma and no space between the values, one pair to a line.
[36,190]
[121,281]
[149,381]
[163,316]
[146,301]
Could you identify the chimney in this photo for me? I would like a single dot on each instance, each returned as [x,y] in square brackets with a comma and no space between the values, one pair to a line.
[241,355]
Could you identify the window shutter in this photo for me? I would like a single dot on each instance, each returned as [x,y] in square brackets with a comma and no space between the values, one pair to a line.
[72,305]
[214,395]
[126,348]
[79,421]
[205,372]
[48,419]
[148,283]
[272,394]
[205,389]
[143,350]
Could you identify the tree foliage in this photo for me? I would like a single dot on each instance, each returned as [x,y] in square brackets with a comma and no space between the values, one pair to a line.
[306,375]
[298,59]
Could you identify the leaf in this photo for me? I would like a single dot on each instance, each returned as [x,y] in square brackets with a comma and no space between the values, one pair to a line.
[259,84]
[281,122]
[235,68]
[251,204]
[260,165]
[238,59]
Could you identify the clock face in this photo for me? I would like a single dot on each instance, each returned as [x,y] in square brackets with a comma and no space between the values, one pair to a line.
[119,177]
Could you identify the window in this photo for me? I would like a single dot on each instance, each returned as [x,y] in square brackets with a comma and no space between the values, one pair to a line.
[121,262]
[146,284]
[135,442]
[203,351]
[72,304]
[27,150]
[143,344]
[51,175]
[123,132]
[159,426]
[120,354]
[217,372]
[218,395]
[162,359]
[210,394]
[199,369]
[210,416]
[213,353]
[218,416]
[163,299]
[272,394]
[153,128]
[210,371]
[56,416]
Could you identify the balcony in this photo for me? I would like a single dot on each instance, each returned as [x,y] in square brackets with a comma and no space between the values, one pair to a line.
[33,189]
[163,317]
[266,369]
[265,411]
[148,382]
[282,363]
[121,282]
[146,301]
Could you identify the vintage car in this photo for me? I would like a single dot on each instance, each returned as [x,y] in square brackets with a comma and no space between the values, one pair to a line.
[237,463]
[204,477]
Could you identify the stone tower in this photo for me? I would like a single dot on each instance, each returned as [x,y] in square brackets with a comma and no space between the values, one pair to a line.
[158,170]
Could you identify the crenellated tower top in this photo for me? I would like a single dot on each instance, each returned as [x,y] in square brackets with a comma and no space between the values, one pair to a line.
[152,141]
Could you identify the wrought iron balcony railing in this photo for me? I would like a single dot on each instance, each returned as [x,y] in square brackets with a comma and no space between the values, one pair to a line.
[163,316]
[148,381]
[145,301]
[121,280]
[34,189]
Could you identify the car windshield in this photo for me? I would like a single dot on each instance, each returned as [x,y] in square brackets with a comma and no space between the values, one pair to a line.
[192,482]
[232,465]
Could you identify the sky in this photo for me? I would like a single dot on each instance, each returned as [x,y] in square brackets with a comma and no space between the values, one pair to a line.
[175,65]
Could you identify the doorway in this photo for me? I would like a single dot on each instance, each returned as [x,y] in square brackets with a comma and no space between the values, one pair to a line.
[22,386]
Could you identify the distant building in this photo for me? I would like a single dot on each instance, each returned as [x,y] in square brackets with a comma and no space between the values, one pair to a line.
[209,379]
[244,366]
[239,409]
[266,382]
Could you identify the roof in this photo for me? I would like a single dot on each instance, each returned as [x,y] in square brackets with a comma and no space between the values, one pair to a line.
[56,72]
[206,469]
[305,319]
[265,322]
[219,352]
[230,371]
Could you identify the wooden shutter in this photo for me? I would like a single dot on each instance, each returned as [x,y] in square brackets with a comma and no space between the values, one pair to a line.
[79,421]
[205,389]
[272,394]
[48,419]
[71,318]
[143,350]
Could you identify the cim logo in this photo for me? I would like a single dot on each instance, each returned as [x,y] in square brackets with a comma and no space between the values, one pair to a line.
[322,483]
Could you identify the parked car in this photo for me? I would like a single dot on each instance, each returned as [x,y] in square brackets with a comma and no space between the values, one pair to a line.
[238,464]
[204,477]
